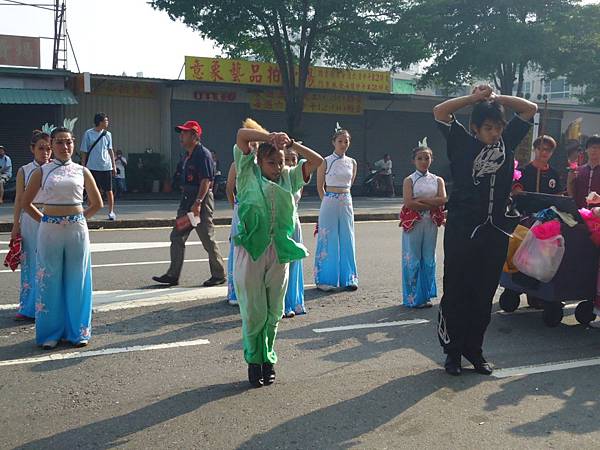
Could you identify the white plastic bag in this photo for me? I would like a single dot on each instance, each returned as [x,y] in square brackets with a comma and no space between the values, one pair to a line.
[540,258]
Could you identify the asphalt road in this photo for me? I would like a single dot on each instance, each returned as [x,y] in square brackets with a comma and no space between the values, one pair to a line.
[171,375]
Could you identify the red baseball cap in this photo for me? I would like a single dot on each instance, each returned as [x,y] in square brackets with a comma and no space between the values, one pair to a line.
[190,125]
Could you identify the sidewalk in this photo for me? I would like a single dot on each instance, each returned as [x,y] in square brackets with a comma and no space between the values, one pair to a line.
[151,213]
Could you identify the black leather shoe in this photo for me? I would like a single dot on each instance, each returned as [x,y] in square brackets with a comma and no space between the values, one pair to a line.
[212,281]
[268,371]
[452,365]
[255,376]
[166,279]
[480,364]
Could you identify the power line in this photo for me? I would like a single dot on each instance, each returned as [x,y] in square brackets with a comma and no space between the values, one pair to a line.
[45,6]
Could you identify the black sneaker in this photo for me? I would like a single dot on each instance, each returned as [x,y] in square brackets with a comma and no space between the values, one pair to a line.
[480,364]
[351,287]
[268,372]
[166,279]
[212,281]
[453,364]
[255,376]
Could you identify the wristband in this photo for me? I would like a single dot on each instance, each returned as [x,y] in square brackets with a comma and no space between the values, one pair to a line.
[199,201]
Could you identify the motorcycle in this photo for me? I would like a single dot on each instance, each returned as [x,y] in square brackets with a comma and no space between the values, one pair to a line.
[372,184]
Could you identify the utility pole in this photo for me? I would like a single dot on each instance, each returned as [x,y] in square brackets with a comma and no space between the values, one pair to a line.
[59,54]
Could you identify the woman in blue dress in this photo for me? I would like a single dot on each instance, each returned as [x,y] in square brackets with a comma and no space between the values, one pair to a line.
[335,260]
[27,227]
[63,309]
[294,297]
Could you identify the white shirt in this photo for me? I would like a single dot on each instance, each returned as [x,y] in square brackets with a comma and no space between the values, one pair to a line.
[339,171]
[62,184]
[120,166]
[384,166]
[425,185]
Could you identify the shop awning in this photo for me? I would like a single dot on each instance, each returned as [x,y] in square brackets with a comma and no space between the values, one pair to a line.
[36,97]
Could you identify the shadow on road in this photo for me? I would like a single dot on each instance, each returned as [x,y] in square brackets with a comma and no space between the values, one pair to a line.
[113,432]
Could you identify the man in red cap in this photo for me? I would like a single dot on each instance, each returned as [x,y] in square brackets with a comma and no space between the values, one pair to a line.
[195,172]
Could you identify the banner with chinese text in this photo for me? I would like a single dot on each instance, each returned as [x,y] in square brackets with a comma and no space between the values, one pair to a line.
[313,103]
[220,70]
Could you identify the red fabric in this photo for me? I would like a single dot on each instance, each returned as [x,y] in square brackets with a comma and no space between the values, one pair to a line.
[13,257]
[546,230]
[410,217]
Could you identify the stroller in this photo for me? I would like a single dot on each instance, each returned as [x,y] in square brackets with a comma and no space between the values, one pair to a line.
[575,279]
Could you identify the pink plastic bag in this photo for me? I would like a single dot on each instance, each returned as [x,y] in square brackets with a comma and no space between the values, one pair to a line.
[540,258]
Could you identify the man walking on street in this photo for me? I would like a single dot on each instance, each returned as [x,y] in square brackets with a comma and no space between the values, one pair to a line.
[196,173]
[98,156]
[5,171]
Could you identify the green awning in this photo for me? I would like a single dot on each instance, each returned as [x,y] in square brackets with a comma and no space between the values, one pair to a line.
[36,97]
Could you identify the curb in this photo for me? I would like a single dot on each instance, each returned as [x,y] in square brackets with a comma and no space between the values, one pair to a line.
[158,223]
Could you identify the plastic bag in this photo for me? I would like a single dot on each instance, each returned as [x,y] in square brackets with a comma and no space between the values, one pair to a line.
[540,258]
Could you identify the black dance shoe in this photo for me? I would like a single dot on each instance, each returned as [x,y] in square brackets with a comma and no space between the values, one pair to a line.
[268,371]
[452,365]
[480,364]
[255,376]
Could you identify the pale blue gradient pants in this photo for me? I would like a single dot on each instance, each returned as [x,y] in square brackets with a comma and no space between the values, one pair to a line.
[230,260]
[418,262]
[335,261]
[29,232]
[64,277]
[294,297]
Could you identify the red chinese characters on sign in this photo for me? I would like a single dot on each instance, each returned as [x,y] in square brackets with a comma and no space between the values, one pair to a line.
[198,69]
[19,51]
[236,72]
[256,76]
[215,71]
[274,75]
[207,96]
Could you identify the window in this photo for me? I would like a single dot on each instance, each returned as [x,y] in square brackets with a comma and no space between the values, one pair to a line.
[557,88]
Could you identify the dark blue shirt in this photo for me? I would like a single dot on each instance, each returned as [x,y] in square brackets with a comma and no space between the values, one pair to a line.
[192,169]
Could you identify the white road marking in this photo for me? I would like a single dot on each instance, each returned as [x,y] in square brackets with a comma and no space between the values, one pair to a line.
[137,298]
[100,247]
[137,263]
[371,325]
[103,352]
[543,368]
[118,300]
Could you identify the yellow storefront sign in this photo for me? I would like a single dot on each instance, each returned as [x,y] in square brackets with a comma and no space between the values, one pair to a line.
[346,104]
[220,70]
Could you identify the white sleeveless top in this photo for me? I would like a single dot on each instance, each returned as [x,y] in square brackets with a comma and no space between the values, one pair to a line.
[62,183]
[425,185]
[339,170]
[28,170]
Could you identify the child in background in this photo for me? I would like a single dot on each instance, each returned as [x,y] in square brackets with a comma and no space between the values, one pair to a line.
[294,297]
[424,197]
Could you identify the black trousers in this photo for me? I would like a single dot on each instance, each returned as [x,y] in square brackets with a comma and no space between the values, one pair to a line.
[472,269]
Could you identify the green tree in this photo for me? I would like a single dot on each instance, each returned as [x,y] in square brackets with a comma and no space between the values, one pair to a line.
[489,39]
[298,32]
[577,55]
